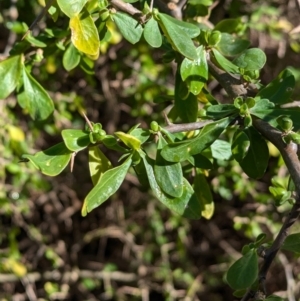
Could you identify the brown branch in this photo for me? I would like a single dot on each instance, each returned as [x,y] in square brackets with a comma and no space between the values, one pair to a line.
[234,88]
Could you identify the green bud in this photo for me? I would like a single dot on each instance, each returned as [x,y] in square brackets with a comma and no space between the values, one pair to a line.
[244,110]
[295,137]
[238,102]
[201,113]
[250,102]
[285,123]
[247,121]
[154,126]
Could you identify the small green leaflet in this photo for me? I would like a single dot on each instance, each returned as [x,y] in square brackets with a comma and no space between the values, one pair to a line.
[192,30]
[204,195]
[51,161]
[84,34]
[186,205]
[71,58]
[240,145]
[152,33]
[292,243]
[181,151]
[76,140]
[108,184]
[98,163]
[224,63]
[130,28]
[168,174]
[71,8]
[177,37]
[195,72]
[10,72]
[231,45]
[243,273]
[34,98]
[280,89]
[251,59]
[256,160]
[221,150]
[129,140]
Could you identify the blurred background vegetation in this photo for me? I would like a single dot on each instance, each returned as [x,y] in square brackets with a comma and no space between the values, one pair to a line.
[130,248]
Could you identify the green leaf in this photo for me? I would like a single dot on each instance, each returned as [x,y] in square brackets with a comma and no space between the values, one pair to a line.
[240,145]
[256,160]
[232,46]
[168,175]
[108,184]
[130,28]
[195,72]
[186,205]
[200,161]
[51,161]
[274,298]
[71,8]
[280,89]
[71,58]
[225,64]
[10,71]
[152,33]
[204,195]
[243,273]
[141,134]
[98,163]
[292,243]
[229,25]
[190,29]
[221,150]
[76,140]
[251,59]
[129,140]
[220,111]
[84,34]
[34,98]
[177,37]
[181,151]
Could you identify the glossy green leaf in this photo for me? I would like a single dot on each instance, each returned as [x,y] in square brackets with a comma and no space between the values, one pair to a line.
[200,161]
[181,151]
[84,34]
[230,45]
[195,72]
[168,174]
[98,163]
[108,184]
[141,134]
[229,25]
[129,140]
[152,33]
[10,72]
[177,37]
[280,89]
[34,98]
[71,8]
[240,145]
[220,111]
[186,205]
[76,140]
[251,59]
[292,243]
[130,28]
[51,161]
[204,195]
[243,273]
[224,63]
[190,29]
[221,150]
[71,58]
[256,160]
